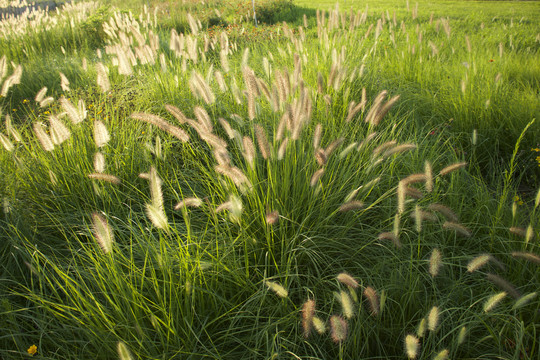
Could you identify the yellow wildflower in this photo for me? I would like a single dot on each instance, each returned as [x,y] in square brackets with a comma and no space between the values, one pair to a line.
[32,350]
[536,149]
[518,200]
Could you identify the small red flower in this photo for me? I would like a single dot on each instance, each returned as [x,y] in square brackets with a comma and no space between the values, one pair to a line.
[491,60]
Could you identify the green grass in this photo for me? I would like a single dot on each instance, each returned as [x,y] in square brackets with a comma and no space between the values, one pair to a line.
[196,282]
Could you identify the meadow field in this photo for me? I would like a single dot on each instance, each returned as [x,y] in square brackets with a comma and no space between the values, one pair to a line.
[351,180]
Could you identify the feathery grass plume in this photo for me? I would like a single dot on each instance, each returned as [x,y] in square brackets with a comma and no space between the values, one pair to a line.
[272,217]
[429,176]
[249,152]
[316,176]
[353,110]
[401,194]
[493,301]
[504,285]
[123,351]
[390,236]
[524,300]
[282,149]
[174,111]
[412,346]
[71,110]
[222,156]
[319,325]
[442,355]
[445,211]
[11,130]
[251,105]
[383,110]
[529,234]
[101,135]
[41,94]
[264,145]
[157,216]
[366,140]
[478,262]
[338,328]
[162,124]
[333,146]
[527,256]
[235,174]
[102,232]
[458,228]
[6,86]
[308,312]
[224,61]
[518,231]
[461,336]
[43,138]
[537,199]
[451,168]
[417,218]
[46,102]
[348,280]
[433,318]
[351,205]
[235,209]
[373,300]
[203,118]
[346,304]
[277,288]
[99,162]
[188,202]
[155,188]
[223,206]
[320,156]
[317,136]
[413,192]
[435,262]
[347,150]
[59,132]
[105,177]
[200,88]
[220,81]
[414,178]
[227,127]
[8,145]
[64,82]
[421,328]
[102,78]
[398,149]
[383,147]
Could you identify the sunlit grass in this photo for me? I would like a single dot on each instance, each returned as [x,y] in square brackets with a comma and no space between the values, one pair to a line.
[189,185]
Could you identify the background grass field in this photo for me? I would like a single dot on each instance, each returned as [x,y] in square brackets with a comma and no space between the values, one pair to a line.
[352,180]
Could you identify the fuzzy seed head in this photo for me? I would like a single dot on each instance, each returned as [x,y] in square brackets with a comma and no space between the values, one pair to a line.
[458,228]
[435,262]
[451,168]
[504,285]
[277,289]
[412,346]
[527,256]
[478,262]
[461,336]
[433,318]
[442,355]
[338,328]
[319,325]
[421,328]
[316,177]
[188,202]
[123,352]
[348,280]
[308,312]
[102,232]
[493,301]
[101,135]
[99,163]
[524,300]
[373,300]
